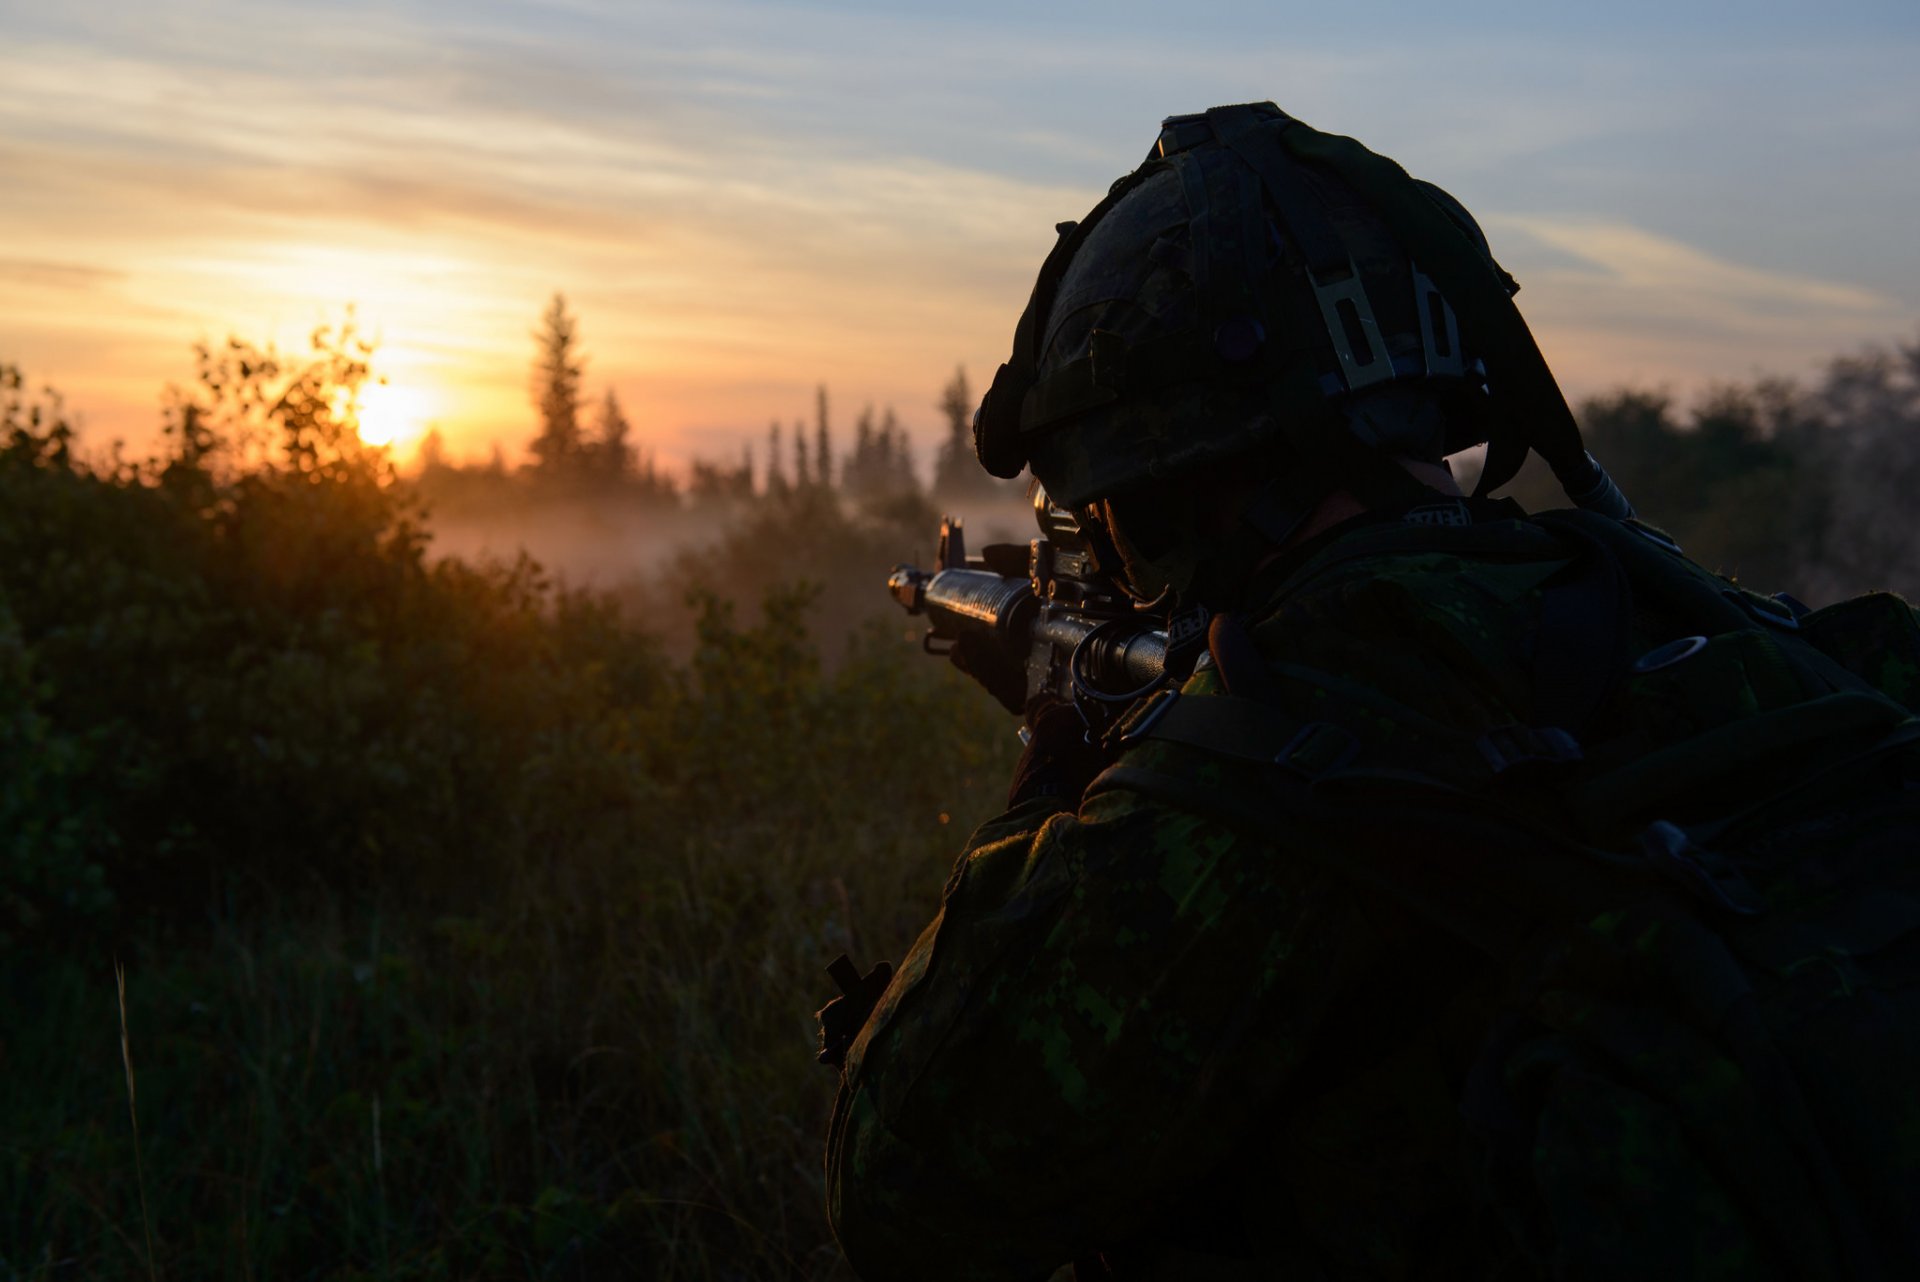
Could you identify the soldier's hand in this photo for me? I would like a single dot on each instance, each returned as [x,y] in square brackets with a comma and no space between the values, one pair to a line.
[1058,762]
[842,1018]
[1004,676]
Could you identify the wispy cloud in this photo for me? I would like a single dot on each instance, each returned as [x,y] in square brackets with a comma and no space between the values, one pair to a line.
[62,277]
[704,261]
[743,197]
[1634,259]
[1616,302]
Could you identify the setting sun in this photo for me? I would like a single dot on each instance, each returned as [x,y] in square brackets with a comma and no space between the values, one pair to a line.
[392,415]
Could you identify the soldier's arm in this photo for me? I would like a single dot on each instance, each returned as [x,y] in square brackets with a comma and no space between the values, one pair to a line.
[1105,1005]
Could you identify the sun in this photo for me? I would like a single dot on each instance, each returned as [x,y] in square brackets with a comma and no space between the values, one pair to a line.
[391,415]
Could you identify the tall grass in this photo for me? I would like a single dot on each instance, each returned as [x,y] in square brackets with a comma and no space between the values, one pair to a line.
[602,1068]
[133,1114]
[467,935]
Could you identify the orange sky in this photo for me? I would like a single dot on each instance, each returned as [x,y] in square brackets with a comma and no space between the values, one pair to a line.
[742,201]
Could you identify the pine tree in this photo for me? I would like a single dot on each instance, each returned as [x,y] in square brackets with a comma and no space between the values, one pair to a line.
[896,455]
[613,454]
[556,390]
[857,472]
[801,476]
[822,444]
[955,469]
[776,479]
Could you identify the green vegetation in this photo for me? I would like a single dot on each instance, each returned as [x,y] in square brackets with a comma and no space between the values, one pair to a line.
[464,934]
[472,927]
[1807,489]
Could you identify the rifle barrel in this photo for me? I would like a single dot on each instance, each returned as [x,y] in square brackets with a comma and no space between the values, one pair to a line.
[1120,656]
[1116,660]
[960,600]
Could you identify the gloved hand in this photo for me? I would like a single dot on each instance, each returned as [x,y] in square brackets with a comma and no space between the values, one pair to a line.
[1058,762]
[842,1018]
[1004,677]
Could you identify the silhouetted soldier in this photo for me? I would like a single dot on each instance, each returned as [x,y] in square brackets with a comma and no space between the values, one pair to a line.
[1499,896]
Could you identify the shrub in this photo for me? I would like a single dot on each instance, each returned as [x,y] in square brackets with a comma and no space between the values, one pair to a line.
[466,933]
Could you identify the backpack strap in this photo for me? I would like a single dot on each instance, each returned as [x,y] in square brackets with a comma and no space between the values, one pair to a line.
[1580,650]
[1655,564]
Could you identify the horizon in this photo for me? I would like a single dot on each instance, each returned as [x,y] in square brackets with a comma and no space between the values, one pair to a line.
[1686,200]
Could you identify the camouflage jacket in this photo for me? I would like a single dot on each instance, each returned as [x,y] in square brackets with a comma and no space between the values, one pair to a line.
[1142,1034]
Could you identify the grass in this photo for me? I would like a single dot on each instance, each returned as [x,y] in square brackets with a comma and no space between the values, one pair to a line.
[133,1113]
[601,1068]
[471,928]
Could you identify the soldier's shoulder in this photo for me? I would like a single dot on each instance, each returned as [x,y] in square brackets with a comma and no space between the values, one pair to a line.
[1413,607]
[1486,559]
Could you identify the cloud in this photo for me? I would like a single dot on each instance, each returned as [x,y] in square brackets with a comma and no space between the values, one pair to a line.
[707,264]
[1635,259]
[62,277]
[742,199]
[1612,303]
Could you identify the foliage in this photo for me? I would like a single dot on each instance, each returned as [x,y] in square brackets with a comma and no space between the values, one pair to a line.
[470,932]
[557,372]
[712,484]
[957,474]
[51,839]
[614,453]
[797,536]
[954,467]
[466,936]
[1799,488]
[823,473]
[1866,439]
[882,461]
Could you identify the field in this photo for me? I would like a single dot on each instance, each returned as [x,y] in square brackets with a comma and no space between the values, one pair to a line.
[464,931]
[371,911]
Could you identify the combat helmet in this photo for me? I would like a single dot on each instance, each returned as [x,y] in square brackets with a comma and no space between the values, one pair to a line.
[1259,287]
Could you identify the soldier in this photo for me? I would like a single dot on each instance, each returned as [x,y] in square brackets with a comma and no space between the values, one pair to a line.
[1499,896]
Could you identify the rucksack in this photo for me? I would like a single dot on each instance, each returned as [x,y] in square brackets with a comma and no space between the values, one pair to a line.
[1711,951]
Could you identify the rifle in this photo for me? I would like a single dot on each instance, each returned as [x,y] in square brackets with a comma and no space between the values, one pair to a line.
[1053,608]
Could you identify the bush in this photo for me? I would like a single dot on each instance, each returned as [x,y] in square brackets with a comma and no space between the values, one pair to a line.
[466,934]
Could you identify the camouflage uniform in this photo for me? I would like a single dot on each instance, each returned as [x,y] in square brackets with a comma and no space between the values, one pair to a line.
[1145,1037]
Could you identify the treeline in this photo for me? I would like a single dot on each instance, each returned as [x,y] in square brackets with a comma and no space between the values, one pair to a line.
[468,932]
[1810,488]
[578,451]
[465,934]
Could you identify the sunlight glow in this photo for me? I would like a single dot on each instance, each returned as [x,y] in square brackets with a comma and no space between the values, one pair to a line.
[392,415]
[770,232]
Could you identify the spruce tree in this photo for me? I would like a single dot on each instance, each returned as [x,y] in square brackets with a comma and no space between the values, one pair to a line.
[896,469]
[776,479]
[556,390]
[955,470]
[613,454]
[822,444]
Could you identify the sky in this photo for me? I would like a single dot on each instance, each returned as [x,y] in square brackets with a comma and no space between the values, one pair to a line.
[741,201]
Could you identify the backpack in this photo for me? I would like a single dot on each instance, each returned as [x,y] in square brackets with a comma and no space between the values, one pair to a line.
[1711,951]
